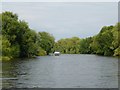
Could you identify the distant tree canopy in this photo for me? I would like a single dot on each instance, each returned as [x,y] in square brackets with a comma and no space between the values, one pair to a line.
[18,40]
[69,45]
[106,43]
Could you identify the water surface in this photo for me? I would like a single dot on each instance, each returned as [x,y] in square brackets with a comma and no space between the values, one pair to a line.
[64,71]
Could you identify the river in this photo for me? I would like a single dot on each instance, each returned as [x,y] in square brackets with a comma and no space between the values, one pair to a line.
[64,71]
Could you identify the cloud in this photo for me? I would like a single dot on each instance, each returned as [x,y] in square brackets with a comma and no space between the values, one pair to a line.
[66,19]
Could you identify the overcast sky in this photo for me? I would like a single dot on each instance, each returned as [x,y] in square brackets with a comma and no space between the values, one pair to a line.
[65,20]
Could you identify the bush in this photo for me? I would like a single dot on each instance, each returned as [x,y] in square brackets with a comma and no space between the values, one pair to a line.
[117,51]
[41,52]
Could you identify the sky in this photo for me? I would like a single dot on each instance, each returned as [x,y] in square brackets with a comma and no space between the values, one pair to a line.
[59,0]
[66,19]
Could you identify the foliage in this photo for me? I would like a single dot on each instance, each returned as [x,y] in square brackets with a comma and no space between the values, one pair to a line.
[103,41]
[41,52]
[69,45]
[20,41]
[117,51]
[106,42]
[6,50]
[46,41]
[85,45]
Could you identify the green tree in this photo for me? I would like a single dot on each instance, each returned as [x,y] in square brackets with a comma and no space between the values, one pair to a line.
[6,46]
[46,41]
[21,39]
[29,45]
[116,40]
[68,45]
[85,46]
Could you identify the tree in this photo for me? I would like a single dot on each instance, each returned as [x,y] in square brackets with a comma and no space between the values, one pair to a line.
[68,45]
[104,40]
[6,46]
[116,40]
[21,40]
[85,46]
[46,41]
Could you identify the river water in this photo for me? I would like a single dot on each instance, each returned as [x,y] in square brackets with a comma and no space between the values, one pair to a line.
[64,71]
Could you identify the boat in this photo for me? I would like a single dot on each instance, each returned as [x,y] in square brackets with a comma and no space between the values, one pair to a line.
[56,53]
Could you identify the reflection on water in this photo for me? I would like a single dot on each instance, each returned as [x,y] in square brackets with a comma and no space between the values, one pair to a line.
[64,71]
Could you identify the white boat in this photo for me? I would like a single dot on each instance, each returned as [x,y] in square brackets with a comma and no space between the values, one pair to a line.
[56,53]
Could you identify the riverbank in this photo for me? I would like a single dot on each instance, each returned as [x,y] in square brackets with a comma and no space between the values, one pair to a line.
[6,58]
[18,41]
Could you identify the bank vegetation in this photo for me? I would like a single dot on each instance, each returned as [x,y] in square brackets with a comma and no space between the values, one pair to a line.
[18,40]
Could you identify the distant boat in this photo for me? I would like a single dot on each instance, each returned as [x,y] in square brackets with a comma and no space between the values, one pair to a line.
[56,53]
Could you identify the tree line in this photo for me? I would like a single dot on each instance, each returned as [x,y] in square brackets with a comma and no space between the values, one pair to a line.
[106,43]
[18,40]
